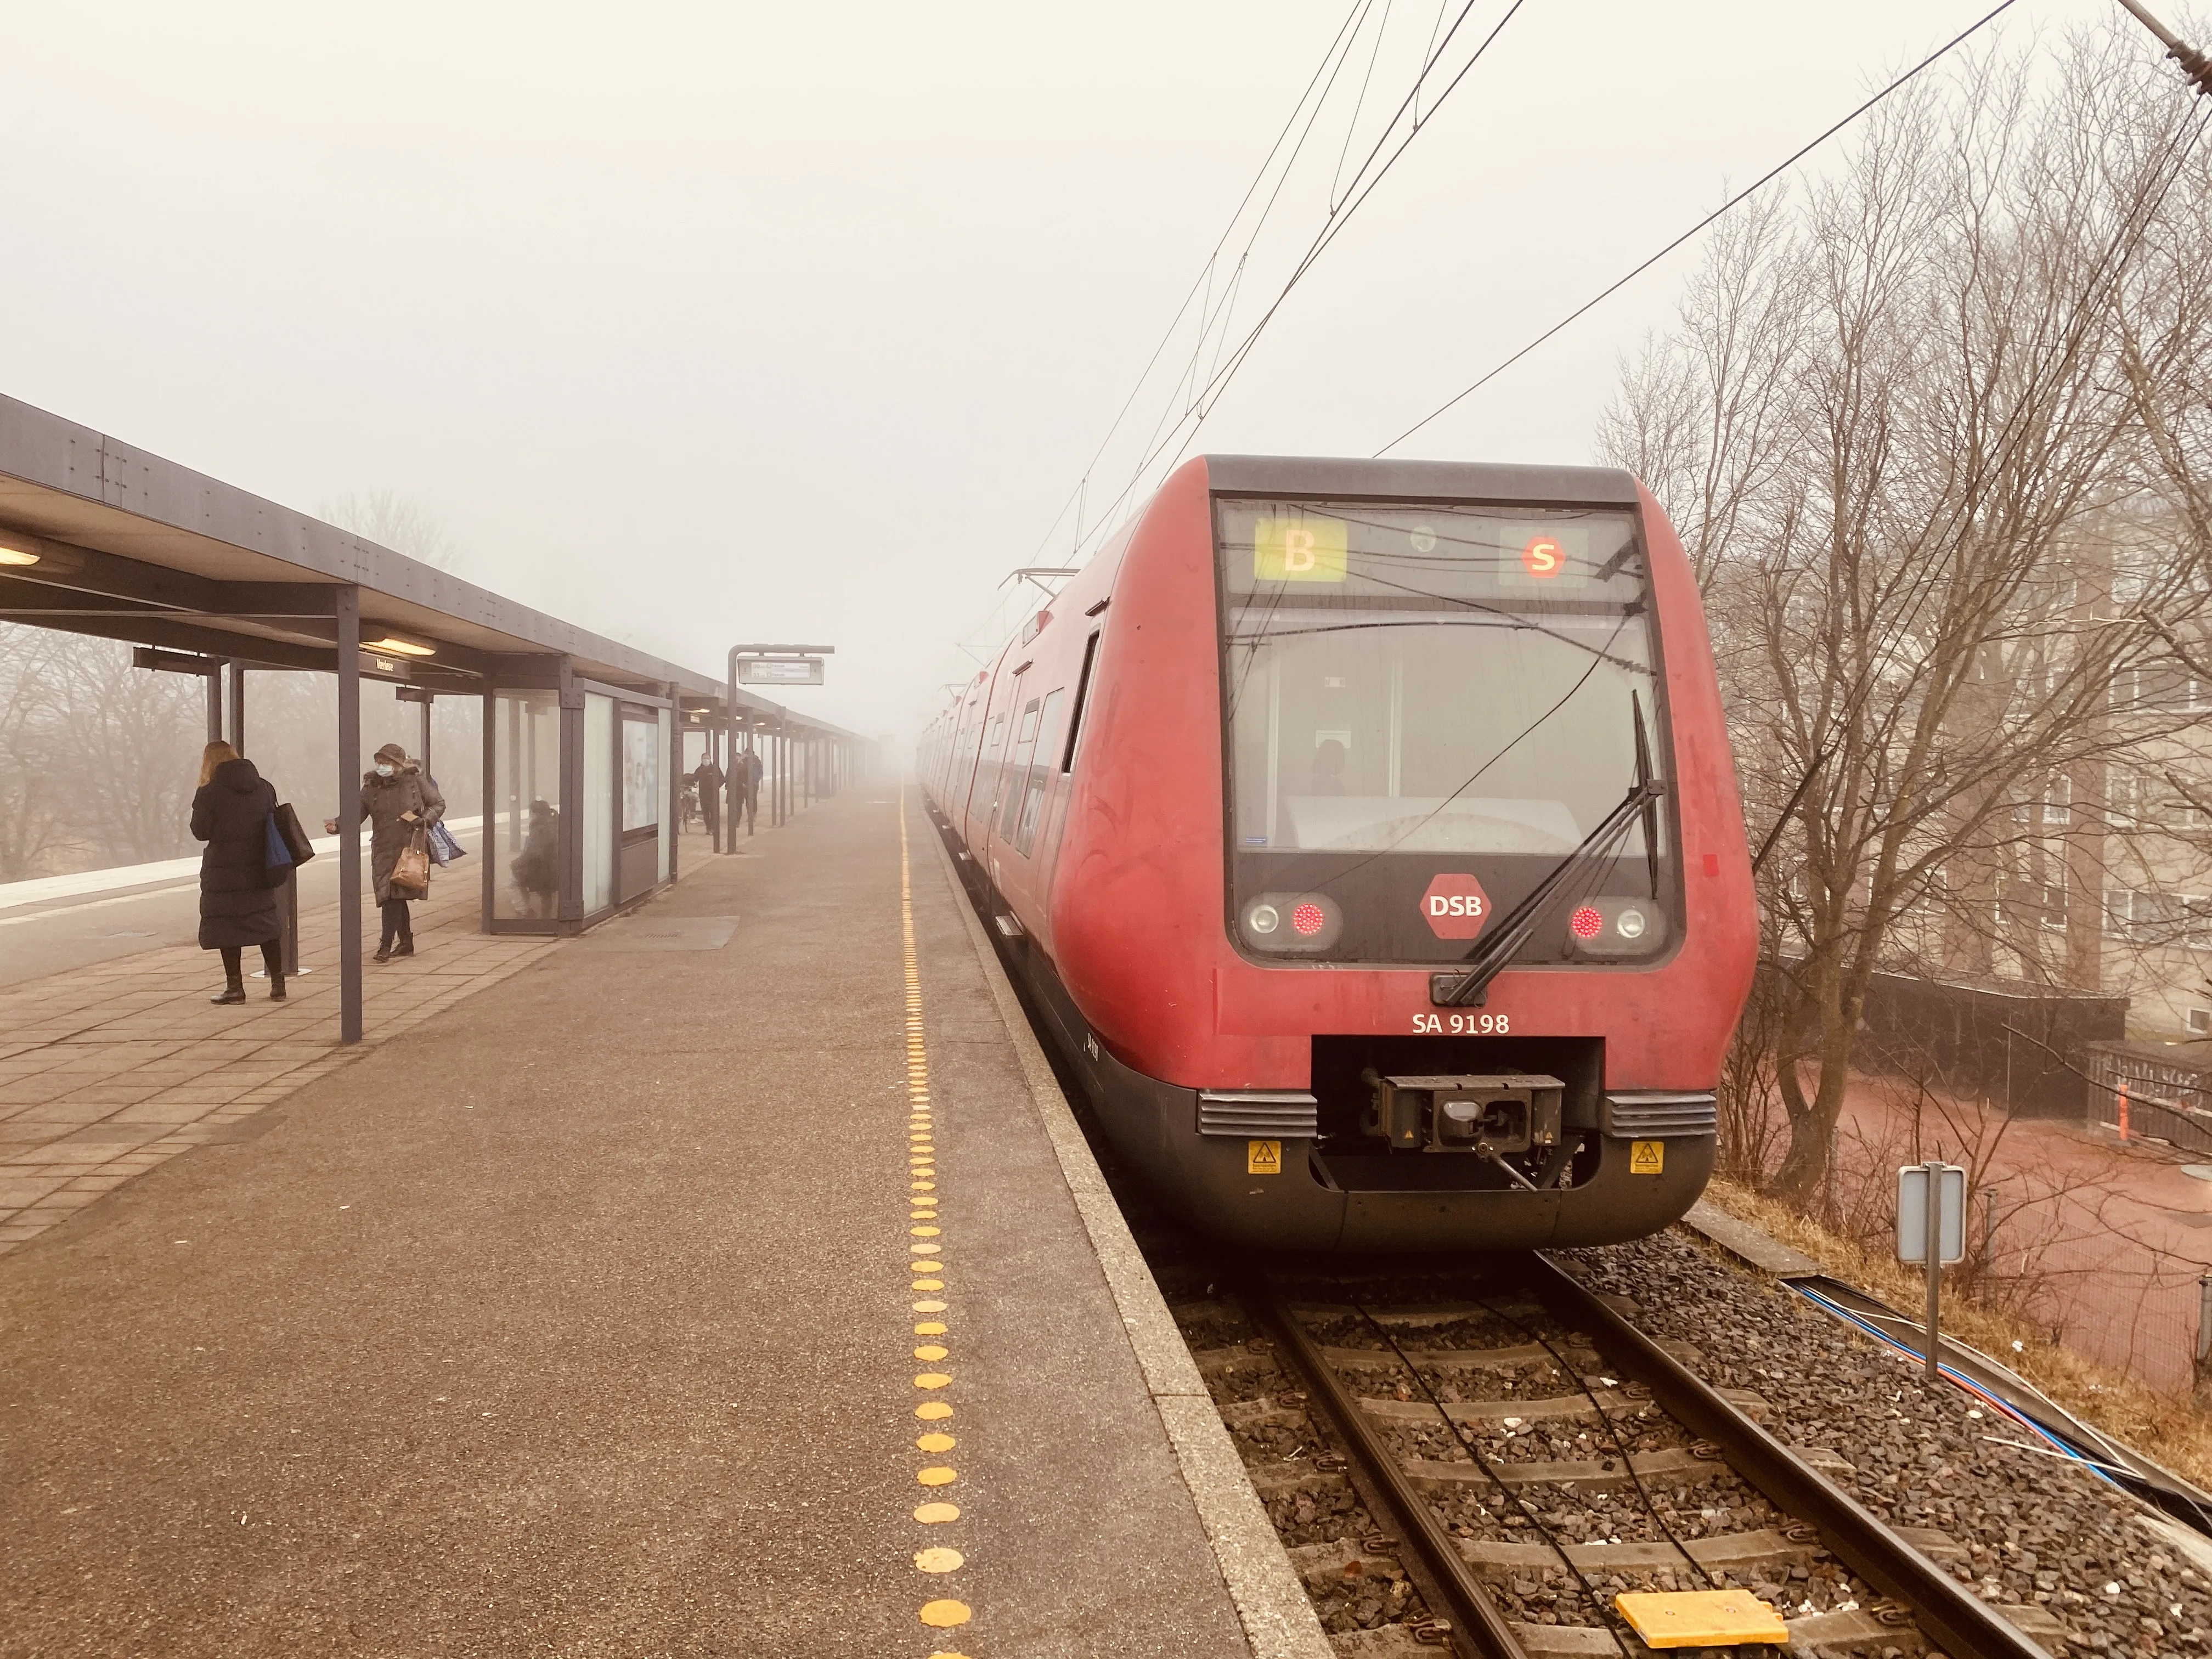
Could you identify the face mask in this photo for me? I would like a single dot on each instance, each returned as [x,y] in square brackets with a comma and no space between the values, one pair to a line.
[383,769]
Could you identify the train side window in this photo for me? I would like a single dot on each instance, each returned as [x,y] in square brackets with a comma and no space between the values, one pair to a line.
[1040,774]
[1082,704]
[1011,791]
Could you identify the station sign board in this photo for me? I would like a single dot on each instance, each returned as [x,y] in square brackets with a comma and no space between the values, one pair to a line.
[779,671]
[1913,1217]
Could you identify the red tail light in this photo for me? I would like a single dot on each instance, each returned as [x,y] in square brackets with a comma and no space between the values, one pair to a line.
[1586,922]
[1309,920]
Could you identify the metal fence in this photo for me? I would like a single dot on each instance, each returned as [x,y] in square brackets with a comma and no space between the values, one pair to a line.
[2159,1097]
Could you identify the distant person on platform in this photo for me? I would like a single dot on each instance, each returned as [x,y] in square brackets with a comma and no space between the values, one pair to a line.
[709,778]
[749,772]
[399,803]
[238,908]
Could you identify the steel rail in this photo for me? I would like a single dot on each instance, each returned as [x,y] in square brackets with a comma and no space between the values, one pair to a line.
[1948,1615]
[1430,1559]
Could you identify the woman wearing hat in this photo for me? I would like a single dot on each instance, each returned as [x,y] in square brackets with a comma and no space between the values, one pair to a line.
[399,802]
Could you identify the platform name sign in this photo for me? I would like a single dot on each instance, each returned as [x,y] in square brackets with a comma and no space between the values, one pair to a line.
[1931,1204]
[779,671]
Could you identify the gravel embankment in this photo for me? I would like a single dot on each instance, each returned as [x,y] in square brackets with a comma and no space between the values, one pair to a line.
[2037,1529]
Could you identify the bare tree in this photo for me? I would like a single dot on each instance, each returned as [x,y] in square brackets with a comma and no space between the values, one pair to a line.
[122,748]
[1898,424]
[33,814]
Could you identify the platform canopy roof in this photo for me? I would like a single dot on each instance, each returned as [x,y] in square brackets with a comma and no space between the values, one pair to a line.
[97,537]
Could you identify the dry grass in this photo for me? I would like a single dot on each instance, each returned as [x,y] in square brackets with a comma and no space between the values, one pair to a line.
[2161,1427]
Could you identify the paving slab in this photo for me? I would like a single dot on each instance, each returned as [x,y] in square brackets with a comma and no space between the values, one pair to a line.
[580,1320]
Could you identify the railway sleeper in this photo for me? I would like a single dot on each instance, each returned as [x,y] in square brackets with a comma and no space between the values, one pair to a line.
[1680,1465]
[1390,1642]
[1572,1346]
[1524,1358]
[1865,1627]
[1736,1551]
[1572,1405]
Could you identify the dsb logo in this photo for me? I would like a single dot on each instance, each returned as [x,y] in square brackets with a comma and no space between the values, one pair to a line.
[1455,907]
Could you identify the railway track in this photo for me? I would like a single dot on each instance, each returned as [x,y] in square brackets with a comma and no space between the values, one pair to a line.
[1478,1462]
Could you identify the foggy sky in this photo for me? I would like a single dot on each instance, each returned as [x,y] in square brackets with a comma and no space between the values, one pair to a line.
[699,323]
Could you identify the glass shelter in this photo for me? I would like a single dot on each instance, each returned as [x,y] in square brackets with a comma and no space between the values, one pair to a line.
[582,794]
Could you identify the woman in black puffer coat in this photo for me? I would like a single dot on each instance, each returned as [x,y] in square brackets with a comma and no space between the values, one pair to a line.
[238,908]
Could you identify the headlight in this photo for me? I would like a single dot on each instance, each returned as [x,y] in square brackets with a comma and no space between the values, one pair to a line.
[1629,924]
[1263,919]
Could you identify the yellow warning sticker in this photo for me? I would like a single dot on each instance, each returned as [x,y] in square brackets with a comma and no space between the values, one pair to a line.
[1647,1157]
[1263,1157]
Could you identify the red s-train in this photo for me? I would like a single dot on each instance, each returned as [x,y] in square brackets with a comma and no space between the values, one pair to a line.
[1367,832]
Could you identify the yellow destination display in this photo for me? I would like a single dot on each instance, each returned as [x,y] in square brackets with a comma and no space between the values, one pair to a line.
[1647,1157]
[1307,550]
[1700,1619]
[1263,1157]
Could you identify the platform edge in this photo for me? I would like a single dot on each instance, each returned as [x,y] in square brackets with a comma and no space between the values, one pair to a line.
[1272,1605]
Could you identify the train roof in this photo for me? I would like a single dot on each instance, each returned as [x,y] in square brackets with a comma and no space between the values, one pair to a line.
[1432,481]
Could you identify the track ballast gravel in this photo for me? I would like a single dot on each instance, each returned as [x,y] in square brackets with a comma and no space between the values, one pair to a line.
[2037,1529]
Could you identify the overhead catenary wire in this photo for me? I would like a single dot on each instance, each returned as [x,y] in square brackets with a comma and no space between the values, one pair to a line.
[1337,46]
[1202,406]
[1765,179]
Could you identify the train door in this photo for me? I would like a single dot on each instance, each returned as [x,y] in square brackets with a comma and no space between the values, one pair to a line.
[982,795]
[1059,781]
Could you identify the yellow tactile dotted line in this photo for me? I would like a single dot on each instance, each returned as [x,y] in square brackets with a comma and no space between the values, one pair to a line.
[928,1267]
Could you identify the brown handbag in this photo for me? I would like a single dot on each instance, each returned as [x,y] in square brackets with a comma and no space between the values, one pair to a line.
[411,871]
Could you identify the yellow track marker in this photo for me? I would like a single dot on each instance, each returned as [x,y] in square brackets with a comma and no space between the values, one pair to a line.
[1700,1619]
[932,1380]
[944,1615]
[927,1284]
[937,1477]
[935,1442]
[922,1186]
[938,1560]
[931,1352]
[929,1307]
[929,1327]
[931,1515]
[933,1410]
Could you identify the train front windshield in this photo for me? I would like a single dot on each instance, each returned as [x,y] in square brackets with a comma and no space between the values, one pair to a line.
[1429,709]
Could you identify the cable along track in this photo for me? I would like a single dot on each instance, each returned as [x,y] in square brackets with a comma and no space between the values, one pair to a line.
[1522,1453]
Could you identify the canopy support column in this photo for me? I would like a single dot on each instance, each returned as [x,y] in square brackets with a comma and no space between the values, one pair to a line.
[348,609]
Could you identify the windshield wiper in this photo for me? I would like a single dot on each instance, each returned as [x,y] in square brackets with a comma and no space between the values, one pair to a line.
[1512,929]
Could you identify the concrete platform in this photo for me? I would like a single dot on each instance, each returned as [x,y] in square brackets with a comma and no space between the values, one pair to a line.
[580,1319]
